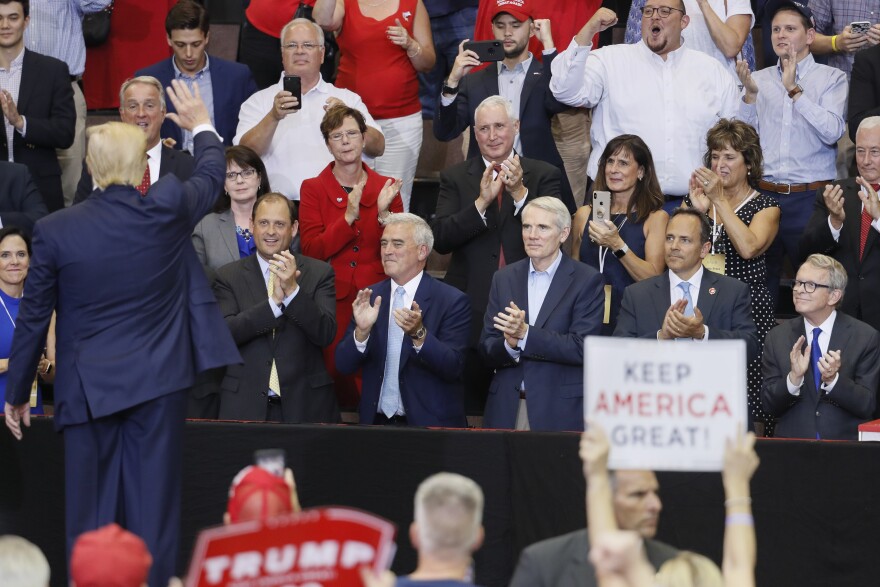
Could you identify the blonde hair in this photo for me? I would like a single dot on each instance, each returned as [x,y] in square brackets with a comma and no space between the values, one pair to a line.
[689,569]
[117,154]
[448,514]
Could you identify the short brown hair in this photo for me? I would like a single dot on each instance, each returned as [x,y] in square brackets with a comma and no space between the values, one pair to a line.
[187,15]
[276,197]
[335,117]
[740,137]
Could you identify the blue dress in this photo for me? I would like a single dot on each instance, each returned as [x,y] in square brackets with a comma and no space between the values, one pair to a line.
[7,328]
[613,271]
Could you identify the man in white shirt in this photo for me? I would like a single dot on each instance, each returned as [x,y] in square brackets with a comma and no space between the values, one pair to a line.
[285,132]
[666,93]
[821,369]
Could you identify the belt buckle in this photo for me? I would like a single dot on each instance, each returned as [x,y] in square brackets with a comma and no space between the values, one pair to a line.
[788,189]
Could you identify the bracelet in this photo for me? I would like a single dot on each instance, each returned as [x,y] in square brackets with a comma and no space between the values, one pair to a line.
[734,501]
[834,43]
[417,52]
[739,520]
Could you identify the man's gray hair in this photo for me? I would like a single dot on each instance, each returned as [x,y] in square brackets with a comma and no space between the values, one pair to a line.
[421,231]
[836,273]
[142,79]
[868,123]
[22,564]
[499,102]
[448,515]
[303,22]
[554,206]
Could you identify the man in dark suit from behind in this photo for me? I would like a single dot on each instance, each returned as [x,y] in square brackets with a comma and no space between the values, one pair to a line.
[563,561]
[821,368]
[280,333]
[37,104]
[224,84]
[20,202]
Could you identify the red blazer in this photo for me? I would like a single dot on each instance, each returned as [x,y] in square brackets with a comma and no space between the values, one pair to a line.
[353,251]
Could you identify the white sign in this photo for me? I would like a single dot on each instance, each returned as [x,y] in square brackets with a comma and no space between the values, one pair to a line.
[665,405]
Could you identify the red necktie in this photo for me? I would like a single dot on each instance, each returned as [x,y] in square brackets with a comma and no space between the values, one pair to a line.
[865,227]
[145,182]
[501,261]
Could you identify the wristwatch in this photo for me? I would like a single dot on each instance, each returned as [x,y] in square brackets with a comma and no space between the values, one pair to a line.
[622,251]
[449,91]
[420,333]
[795,91]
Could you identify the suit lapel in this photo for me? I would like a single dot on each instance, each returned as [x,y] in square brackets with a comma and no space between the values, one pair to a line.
[661,298]
[29,75]
[227,232]
[254,279]
[560,284]
[796,330]
[707,294]
[532,77]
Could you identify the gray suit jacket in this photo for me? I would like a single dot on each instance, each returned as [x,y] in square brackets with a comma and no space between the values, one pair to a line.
[562,561]
[215,241]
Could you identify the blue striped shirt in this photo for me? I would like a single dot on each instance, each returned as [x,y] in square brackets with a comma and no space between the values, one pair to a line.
[55,29]
[203,79]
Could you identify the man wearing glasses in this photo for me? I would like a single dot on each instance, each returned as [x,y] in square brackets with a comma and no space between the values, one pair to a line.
[284,130]
[659,89]
[820,369]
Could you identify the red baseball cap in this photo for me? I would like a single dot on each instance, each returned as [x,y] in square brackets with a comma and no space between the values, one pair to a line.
[256,493]
[109,557]
[521,10]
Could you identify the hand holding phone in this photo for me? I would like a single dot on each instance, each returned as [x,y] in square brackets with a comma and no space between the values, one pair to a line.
[486,50]
[293,84]
[601,205]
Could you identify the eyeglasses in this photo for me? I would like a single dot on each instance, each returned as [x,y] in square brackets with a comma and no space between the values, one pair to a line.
[244,174]
[808,286]
[304,46]
[349,134]
[663,11]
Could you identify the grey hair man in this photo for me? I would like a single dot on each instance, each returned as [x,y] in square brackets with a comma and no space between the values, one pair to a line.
[22,564]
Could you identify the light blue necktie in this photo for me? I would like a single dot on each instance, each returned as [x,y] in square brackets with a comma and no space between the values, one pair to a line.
[686,290]
[389,397]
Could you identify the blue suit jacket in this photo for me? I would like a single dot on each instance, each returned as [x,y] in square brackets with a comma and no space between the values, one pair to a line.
[430,380]
[134,322]
[552,364]
[232,84]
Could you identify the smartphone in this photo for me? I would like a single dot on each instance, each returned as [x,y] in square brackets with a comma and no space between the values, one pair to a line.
[271,459]
[601,203]
[860,27]
[486,50]
[293,84]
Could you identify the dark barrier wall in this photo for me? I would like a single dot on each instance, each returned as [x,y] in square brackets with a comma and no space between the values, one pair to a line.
[816,504]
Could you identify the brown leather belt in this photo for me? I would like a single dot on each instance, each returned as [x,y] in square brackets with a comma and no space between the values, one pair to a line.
[791,188]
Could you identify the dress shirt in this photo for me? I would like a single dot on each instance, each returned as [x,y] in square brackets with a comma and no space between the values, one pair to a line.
[824,341]
[297,151]
[539,285]
[675,294]
[10,80]
[276,309]
[154,161]
[55,29]
[517,206]
[875,224]
[670,103]
[833,16]
[203,79]
[409,288]
[799,137]
[697,33]
[510,85]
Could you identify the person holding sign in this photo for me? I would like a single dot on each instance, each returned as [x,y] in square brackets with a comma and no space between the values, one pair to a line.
[821,369]
[688,301]
[744,224]
[635,226]
[540,309]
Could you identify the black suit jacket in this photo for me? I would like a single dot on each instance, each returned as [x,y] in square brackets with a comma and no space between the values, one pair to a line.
[306,325]
[177,163]
[563,561]
[20,202]
[474,244]
[861,296]
[45,99]
[835,415]
[864,88]
[724,302]
[536,106]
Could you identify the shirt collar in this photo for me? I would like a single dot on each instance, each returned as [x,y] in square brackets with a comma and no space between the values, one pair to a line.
[487,163]
[551,270]
[802,68]
[826,326]
[156,152]
[179,74]
[671,57]
[17,62]
[410,286]
[522,66]
[696,279]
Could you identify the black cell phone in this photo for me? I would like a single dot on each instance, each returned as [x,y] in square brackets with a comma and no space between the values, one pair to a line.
[486,50]
[293,84]
[271,459]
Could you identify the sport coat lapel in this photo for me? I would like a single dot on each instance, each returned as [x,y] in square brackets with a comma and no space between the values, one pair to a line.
[661,298]
[533,75]
[380,328]
[560,284]
[796,330]
[708,294]
[255,280]
[29,76]
[226,226]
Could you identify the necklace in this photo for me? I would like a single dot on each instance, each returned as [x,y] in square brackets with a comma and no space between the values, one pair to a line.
[244,232]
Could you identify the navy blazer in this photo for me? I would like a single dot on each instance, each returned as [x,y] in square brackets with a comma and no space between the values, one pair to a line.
[552,364]
[20,202]
[725,303]
[430,380]
[45,99]
[134,321]
[835,415]
[536,107]
[231,84]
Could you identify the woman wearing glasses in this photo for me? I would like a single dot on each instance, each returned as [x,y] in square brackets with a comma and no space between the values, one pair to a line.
[340,216]
[224,235]
[744,223]
[383,44]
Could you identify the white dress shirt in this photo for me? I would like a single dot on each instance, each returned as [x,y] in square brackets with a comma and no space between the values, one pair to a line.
[670,103]
[698,37]
[824,341]
[539,285]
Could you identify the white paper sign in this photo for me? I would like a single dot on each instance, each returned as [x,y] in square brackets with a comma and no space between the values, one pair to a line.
[665,405]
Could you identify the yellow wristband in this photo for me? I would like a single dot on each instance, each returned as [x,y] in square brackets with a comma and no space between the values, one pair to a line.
[834,43]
